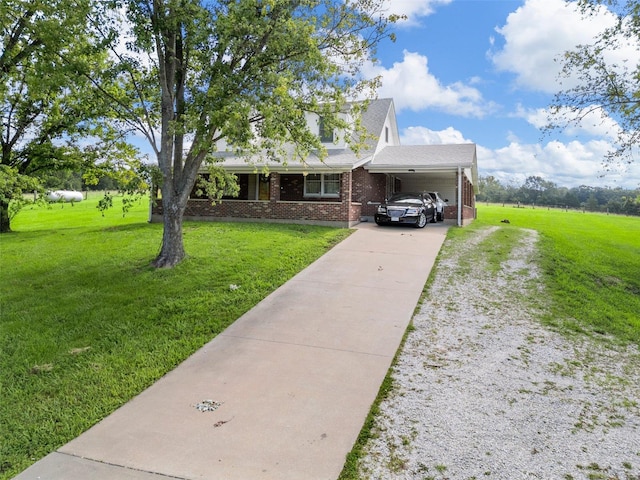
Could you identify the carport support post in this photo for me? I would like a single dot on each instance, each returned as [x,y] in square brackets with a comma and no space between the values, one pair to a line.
[459,196]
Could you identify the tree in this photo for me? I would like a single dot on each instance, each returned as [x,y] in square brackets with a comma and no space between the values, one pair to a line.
[631,204]
[537,190]
[604,87]
[571,199]
[491,190]
[592,203]
[51,117]
[245,71]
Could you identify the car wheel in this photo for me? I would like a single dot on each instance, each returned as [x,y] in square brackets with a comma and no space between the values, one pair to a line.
[422,221]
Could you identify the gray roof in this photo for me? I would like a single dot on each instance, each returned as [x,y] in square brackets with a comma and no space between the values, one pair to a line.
[423,158]
[391,159]
[341,159]
[374,117]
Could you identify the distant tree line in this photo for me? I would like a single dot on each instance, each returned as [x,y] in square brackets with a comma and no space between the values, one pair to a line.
[73,180]
[537,191]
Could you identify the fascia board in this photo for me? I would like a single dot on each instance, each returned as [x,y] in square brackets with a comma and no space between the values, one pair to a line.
[412,168]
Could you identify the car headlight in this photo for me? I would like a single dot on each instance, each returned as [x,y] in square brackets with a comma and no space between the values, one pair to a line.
[382,209]
[413,211]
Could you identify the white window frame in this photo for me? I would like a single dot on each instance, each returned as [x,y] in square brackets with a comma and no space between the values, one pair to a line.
[324,183]
[326,135]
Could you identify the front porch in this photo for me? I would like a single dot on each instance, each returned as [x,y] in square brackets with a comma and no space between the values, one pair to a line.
[286,199]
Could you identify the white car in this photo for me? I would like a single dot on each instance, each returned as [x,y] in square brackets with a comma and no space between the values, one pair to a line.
[440,204]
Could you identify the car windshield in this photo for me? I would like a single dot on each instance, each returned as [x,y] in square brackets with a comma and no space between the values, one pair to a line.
[405,198]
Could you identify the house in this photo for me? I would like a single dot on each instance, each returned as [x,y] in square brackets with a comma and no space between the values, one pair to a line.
[345,188]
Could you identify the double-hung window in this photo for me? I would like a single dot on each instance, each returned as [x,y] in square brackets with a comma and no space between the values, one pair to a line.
[326,133]
[322,185]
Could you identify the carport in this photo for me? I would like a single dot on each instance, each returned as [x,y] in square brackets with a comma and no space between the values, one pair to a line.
[450,170]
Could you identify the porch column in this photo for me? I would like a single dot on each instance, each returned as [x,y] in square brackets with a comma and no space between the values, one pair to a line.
[345,195]
[274,187]
[460,201]
[345,187]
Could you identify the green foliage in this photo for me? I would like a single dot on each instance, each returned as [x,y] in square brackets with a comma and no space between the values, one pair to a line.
[217,184]
[53,116]
[132,179]
[105,203]
[86,323]
[244,72]
[13,185]
[604,89]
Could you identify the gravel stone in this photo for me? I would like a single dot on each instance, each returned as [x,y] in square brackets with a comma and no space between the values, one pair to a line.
[482,390]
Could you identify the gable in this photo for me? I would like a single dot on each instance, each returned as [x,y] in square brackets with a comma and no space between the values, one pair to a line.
[378,119]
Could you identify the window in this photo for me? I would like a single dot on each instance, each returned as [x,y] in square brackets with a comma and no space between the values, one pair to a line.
[386,134]
[313,185]
[331,184]
[326,133]
[322,185]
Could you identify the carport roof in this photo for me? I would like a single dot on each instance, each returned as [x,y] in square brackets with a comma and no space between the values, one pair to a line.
[423,158]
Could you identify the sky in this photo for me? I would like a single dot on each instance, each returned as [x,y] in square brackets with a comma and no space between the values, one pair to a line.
[484,71]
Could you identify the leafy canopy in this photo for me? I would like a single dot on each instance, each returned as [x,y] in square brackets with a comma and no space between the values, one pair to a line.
[244,71]
[603,86]
[51,115]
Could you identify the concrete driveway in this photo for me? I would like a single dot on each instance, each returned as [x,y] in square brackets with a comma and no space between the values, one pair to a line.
[284,391]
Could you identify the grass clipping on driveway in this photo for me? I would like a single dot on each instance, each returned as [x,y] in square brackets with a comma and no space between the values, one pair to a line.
[482,389]
[86,323]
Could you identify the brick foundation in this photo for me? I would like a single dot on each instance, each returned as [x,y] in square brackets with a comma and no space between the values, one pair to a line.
[321,213]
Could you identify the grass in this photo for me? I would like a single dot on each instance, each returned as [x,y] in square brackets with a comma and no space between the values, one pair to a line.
[86,323]
[591,263]
[591,271]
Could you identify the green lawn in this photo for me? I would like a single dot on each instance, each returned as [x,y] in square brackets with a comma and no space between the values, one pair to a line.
[591,263]
[86,323]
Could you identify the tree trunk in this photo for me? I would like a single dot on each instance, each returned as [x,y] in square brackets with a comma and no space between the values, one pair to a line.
[5,223]
[172,251]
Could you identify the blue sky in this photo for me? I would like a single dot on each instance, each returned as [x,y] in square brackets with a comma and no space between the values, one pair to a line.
[483,71]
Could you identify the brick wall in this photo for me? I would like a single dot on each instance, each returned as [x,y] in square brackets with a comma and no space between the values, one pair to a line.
[468,204]
[323,212]
[368,187]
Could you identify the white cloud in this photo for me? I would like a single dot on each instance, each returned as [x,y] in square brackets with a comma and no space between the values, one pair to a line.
[426,136]
[413,87]
[413,9]
[538,32]
[592,121]
[568,164]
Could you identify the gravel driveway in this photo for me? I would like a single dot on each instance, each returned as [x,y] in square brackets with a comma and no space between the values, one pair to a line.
[484,391]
